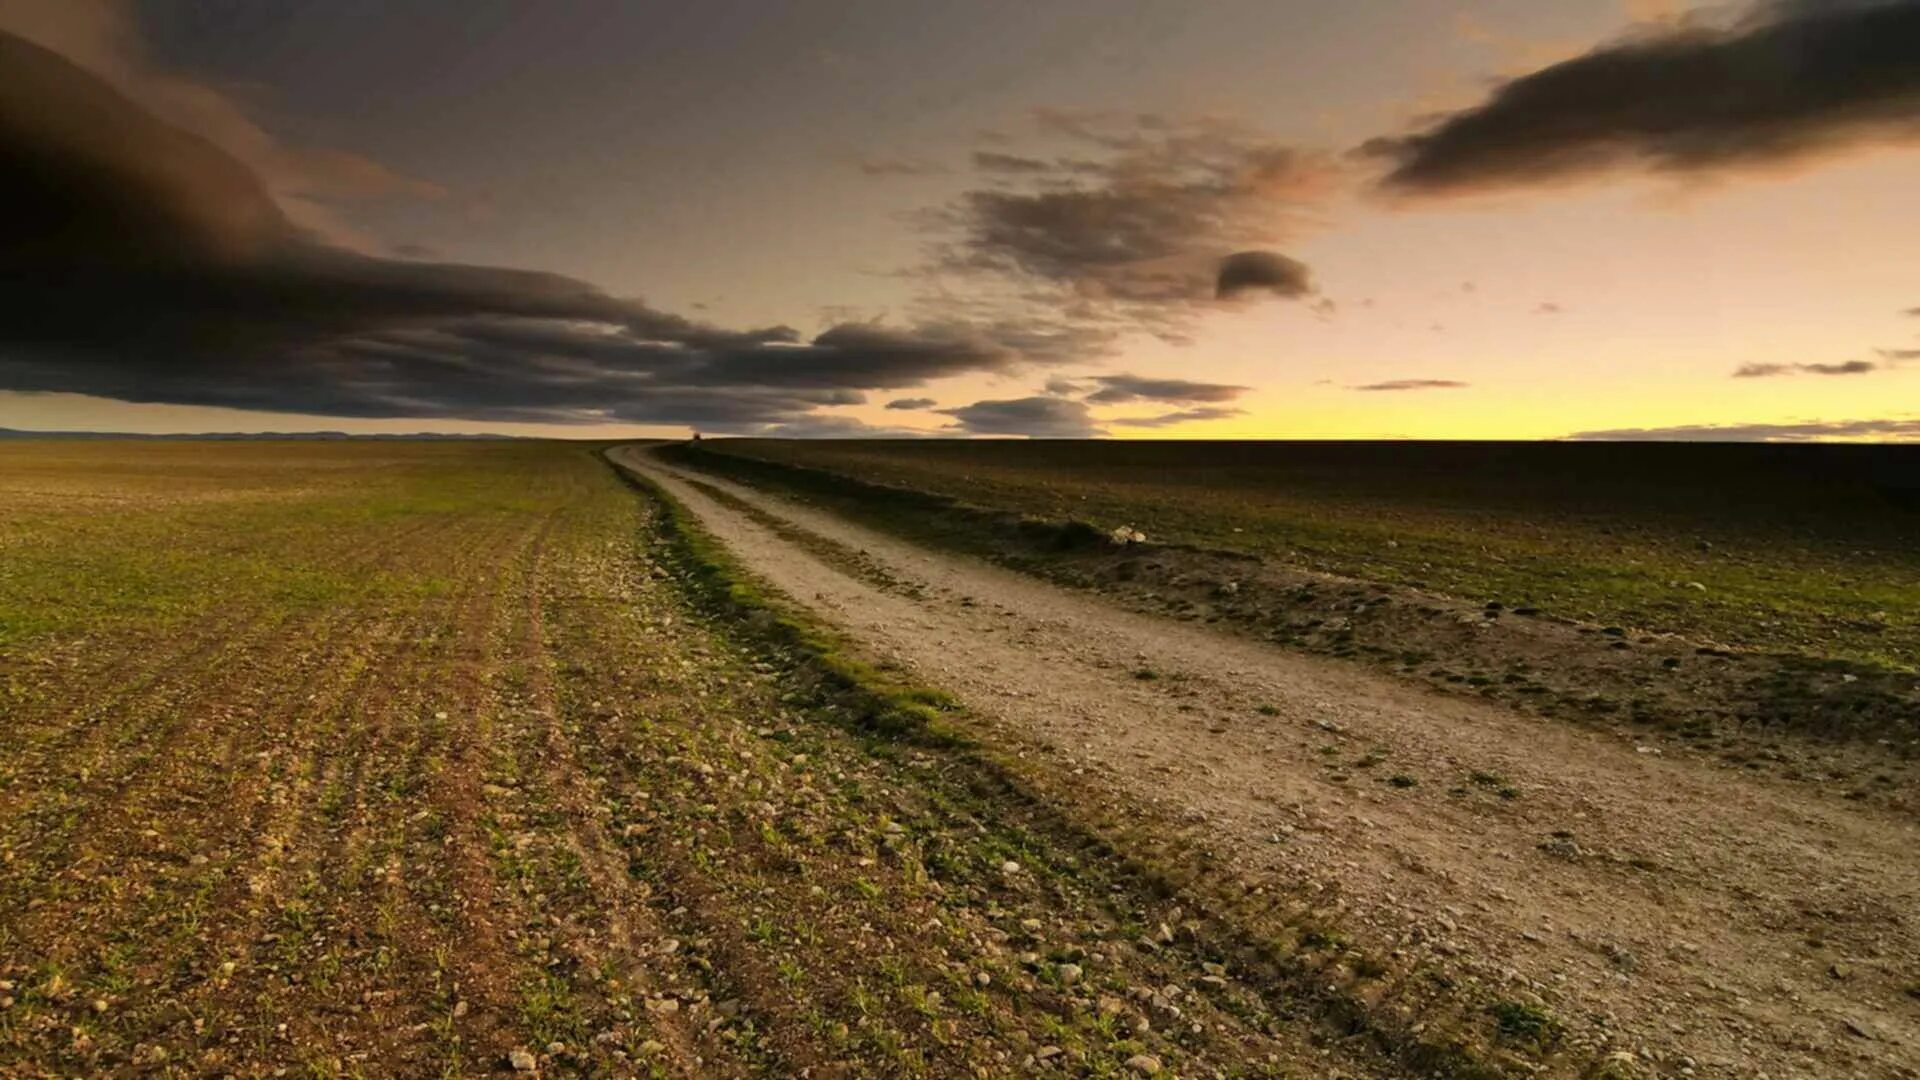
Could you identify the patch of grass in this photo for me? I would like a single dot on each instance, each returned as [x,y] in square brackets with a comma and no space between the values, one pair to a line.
[1520,1022]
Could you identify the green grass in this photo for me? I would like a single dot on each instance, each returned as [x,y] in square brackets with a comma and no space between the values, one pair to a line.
[104,537]
[1812,550]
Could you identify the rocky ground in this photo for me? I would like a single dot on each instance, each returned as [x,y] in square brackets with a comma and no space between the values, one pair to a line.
[1618,898]
[515,793]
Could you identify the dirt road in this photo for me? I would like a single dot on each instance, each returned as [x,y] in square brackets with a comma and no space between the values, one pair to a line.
[1708,924]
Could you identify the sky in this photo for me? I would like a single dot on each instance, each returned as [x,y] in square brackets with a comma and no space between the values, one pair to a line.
[1123,218]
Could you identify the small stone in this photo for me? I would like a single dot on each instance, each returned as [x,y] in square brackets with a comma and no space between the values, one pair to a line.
[459,1009]
[522,1060]
[1144,1064]
[1069,974]
[1047,1053]
[1009,867]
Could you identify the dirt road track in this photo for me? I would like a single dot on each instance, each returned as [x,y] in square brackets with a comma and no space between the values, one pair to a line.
[1711,924]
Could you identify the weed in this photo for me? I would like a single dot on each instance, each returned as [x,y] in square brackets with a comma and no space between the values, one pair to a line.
[1521,1022]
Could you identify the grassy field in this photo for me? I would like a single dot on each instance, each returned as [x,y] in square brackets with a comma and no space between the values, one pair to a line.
[1797,549]
[430,759]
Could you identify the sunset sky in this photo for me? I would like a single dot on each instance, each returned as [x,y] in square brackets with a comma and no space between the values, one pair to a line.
[1199,218]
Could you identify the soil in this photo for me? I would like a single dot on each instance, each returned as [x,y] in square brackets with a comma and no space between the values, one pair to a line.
[546,810]
[1652,901]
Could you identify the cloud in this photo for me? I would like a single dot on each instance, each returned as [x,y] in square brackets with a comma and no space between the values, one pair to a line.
[1898,355]
[1791,81]
[1887,430]
[1412,384]
[308,184]
[1261,271]
[910,404]
[885,167]
[1763,371]
[1129,225]
[142,263]
[836,427]
[995,162]
[1548,307]
[1914,311]
[1039,417]
[1117,389]
[1181,417]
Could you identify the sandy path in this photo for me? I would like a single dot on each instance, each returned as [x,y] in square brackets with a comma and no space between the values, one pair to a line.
[1706,922]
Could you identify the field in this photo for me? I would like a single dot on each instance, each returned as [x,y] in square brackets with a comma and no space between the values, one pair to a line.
[438,759]
[411,759]
[1811,550]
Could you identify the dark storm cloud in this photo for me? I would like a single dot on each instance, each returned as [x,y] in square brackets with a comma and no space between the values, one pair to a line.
[1181,417]
[1261,271]
[1117,389]
[1412,384]
[1763,371]
[911,404]
[142,263]
[1041,417]
[858,354]
[1807,431]
[1789,81]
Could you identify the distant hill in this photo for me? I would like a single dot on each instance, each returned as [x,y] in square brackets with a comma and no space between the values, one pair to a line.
[422,436]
